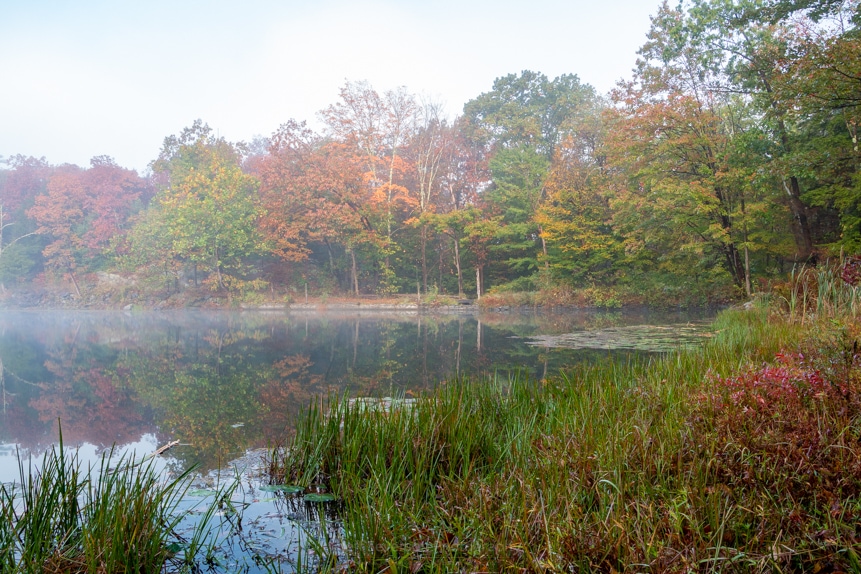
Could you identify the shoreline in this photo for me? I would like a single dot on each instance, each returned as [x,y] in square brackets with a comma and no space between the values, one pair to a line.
[361,308]
[106,298]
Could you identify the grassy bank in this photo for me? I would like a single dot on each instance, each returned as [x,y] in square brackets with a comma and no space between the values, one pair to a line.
[740,456]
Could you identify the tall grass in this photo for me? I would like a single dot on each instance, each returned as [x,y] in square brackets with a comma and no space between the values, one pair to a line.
[628,466]
[118,517]
[830,290]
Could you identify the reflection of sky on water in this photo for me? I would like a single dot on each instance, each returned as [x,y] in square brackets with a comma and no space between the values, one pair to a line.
[87,455]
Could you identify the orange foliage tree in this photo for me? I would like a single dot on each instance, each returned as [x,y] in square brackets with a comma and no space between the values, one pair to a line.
[82,211]
[375,129]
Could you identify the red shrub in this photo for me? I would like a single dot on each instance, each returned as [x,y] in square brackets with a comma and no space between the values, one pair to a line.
[791,384]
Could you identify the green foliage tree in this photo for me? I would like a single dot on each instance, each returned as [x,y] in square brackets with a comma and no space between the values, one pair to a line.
[526,110]
[206,209]
[576,218]
[520,124]
[519,175]
[821,84]
[20,250]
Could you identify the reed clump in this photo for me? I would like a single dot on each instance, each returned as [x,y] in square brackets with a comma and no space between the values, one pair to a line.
[832,289]
[118,517]
[741,456]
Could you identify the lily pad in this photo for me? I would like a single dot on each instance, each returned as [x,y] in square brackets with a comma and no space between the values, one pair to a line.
[320,497]
[202,492]
[286,488]
[175,547]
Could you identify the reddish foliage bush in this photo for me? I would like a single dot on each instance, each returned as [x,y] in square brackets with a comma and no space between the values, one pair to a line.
[790,427]
[851,271]
[791,384]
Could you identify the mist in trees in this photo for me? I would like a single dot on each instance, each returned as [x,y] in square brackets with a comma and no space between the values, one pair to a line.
[730,155]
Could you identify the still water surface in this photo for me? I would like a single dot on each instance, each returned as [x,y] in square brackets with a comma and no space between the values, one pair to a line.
[226,384]
[222,383]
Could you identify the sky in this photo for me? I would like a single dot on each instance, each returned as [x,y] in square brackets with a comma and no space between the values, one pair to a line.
[81,78]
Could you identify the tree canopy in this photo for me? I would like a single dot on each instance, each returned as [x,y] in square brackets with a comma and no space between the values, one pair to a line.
[728,156]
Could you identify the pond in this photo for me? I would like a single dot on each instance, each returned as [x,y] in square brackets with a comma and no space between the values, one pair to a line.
[222,385]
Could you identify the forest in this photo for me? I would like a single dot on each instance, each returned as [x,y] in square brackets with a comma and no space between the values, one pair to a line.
[728,158]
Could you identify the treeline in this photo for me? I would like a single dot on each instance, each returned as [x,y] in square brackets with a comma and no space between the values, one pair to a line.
[729,156]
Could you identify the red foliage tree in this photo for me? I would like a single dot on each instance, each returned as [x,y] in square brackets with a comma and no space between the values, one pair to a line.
[83,210]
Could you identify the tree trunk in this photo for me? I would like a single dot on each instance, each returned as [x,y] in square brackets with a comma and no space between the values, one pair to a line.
[803,238]
[218,270]
[543,247]
[355,273]
[440,265]
[478,283]
[331,258]
[424,258]
[746,249]
[75,283]
[457,266]
[735,266]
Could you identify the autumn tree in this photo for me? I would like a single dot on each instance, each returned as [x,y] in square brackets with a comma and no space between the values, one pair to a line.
[82,211]
[463,175]
[26,178]
[290,216]
[430,145]
[315,192]
[576,217]
[206,208]
[376,128]
[113,195]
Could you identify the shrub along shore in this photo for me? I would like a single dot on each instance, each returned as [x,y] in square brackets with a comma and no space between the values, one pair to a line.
[740,456]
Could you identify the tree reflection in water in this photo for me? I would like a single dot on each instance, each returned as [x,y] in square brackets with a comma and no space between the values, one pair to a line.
[222,383]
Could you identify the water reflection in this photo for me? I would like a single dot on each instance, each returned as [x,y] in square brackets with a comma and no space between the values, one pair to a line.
[222,383]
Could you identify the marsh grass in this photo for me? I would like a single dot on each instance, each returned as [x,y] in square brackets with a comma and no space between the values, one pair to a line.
[830,290]
[118,517]
[676,463]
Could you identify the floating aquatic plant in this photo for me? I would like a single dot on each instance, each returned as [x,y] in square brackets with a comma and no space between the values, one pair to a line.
[648,338]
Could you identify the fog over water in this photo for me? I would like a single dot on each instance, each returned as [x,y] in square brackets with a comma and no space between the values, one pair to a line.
[221,383]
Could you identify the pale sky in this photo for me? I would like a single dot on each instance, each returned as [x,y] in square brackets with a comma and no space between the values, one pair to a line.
[80,78]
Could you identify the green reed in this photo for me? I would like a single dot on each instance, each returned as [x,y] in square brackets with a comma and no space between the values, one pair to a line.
[618,466]
[117,517]
[820,292]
